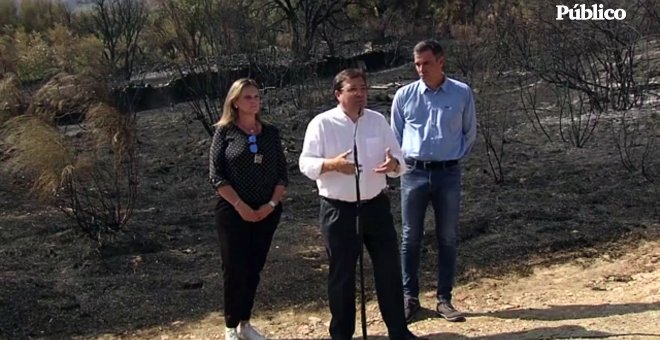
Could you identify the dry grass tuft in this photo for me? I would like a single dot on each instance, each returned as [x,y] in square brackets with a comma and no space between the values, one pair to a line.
[11,97]
[111,129]
[36,150]
[66,97]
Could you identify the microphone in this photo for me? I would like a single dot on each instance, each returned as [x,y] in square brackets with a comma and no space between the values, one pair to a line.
[358,229]
[356,160]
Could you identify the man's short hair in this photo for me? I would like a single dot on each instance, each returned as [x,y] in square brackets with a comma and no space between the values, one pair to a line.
[429,45]
[346,74]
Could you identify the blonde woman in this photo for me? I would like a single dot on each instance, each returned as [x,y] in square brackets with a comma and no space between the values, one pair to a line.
[247,169]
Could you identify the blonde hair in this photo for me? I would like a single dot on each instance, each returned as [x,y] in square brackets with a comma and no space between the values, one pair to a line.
[229,112]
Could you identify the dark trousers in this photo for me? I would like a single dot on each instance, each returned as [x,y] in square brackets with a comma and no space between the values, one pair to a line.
[338,226]
[243,247]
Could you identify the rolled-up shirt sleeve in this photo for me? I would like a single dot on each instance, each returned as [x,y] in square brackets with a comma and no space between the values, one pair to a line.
[312,155]
[217,164]
[395,149]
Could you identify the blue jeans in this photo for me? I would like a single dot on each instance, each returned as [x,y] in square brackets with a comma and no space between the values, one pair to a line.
[441,187]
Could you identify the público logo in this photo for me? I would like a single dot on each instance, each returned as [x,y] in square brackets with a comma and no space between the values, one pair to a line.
[593,12]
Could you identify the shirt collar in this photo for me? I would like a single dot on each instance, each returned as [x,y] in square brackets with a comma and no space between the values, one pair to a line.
[444,87]
[339,112]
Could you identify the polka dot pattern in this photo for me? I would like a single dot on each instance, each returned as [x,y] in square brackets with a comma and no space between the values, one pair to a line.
[252,175]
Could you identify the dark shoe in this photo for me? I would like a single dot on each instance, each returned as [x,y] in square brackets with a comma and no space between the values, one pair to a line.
[408,335]
[447,311]
[410,308]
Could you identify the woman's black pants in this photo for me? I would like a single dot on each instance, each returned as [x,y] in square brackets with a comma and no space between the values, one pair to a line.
[243,247]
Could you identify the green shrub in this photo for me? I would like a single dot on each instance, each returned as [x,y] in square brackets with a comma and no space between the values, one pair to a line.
[34,61]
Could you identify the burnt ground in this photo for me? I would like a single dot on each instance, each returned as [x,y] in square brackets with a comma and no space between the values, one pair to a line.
[558,206]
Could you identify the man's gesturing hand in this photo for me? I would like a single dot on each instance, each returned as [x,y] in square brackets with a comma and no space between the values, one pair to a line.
[389,165]
[340,164]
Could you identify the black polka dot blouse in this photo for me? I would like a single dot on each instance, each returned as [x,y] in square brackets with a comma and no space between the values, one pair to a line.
[252,165]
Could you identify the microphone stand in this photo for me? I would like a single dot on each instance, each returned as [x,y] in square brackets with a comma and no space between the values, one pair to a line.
[360,232]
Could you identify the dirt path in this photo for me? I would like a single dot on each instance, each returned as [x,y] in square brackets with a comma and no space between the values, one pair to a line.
[585,299]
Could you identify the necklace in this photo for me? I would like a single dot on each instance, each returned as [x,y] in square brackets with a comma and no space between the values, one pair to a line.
[251,130]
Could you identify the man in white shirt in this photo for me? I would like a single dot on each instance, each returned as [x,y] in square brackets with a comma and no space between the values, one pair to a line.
[328,158]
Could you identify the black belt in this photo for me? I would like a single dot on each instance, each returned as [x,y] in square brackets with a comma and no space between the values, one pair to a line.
[333,200]
[430,165]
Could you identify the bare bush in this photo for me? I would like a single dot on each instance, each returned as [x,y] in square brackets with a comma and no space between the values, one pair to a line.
[517,39]
[493,123]
[596,60]
[529,91]
[308,90]
[496,117]
[470,51]
[636,140]
[305,21]
[196,31]
[594,66]
[90,175]
[119,24]
[100,189]
[578,117]
[480,64]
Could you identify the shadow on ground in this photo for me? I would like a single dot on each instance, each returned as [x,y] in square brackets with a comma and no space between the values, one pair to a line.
[571,312]
[561,332]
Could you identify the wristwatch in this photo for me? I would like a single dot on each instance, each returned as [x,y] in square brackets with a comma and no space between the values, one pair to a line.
[272,204]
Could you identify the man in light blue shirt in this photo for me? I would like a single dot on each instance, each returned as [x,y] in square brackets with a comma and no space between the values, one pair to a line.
[434,120]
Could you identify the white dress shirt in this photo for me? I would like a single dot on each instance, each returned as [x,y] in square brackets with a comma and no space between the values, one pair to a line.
[330,134]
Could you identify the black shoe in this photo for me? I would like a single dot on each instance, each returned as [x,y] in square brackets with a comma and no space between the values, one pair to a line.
[410,308]
[408,335]
[447,311]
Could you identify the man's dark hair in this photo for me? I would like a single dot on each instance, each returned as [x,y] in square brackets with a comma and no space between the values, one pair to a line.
[429,45]
[346,74]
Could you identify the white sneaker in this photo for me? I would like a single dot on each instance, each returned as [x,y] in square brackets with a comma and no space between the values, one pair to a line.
[231,334]
[247,332]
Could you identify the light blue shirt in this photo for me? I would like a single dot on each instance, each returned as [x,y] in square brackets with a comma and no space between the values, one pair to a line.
[436,125]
